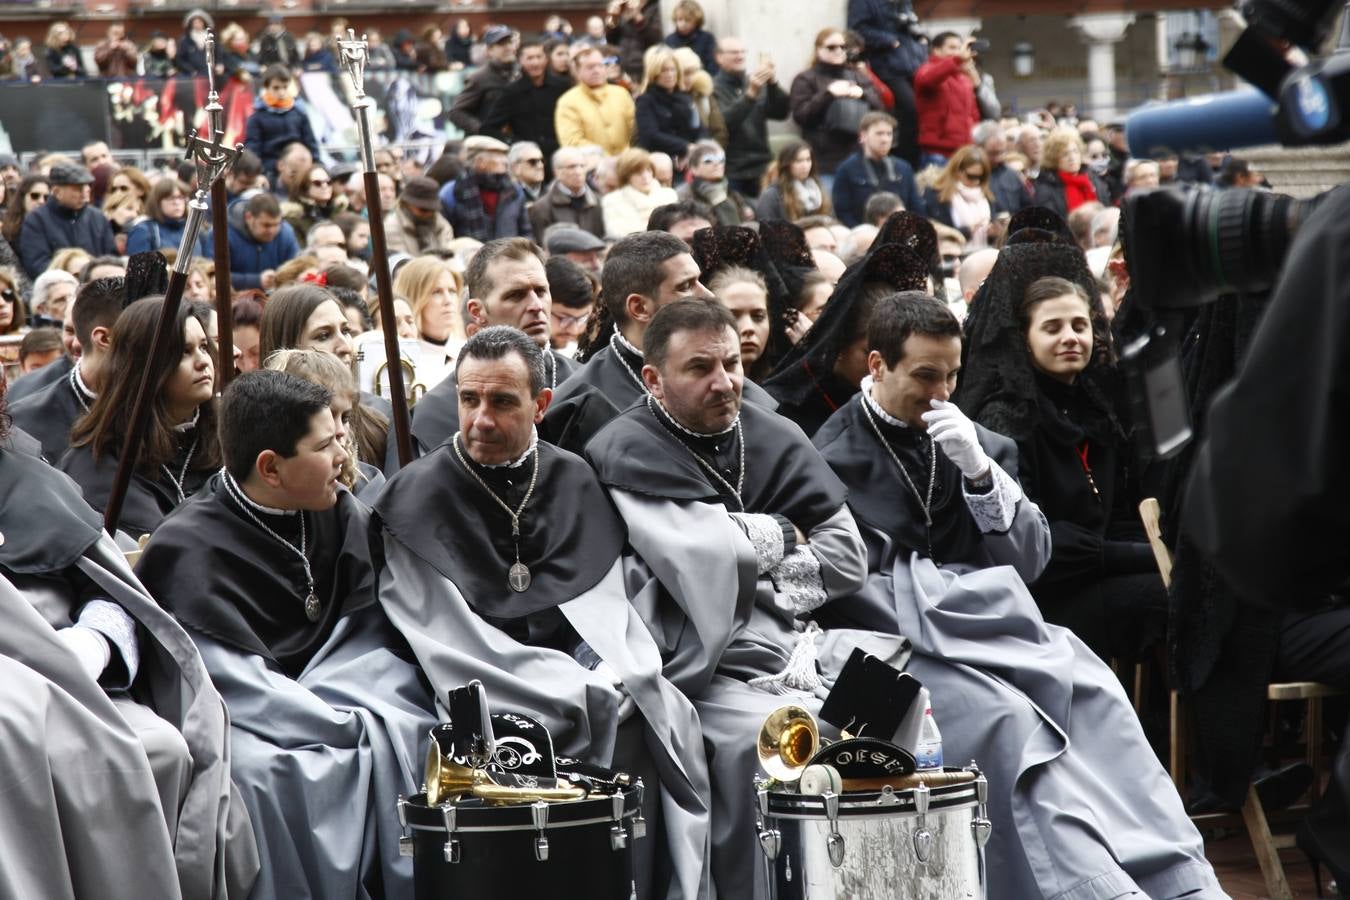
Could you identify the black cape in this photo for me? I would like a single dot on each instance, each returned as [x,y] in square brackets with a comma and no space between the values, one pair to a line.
[49,414]
[225,577]
[52,540]
[436,416]
[600,390]
[33,382]
[879,497]
[638,452]
[570,534]
[150,495]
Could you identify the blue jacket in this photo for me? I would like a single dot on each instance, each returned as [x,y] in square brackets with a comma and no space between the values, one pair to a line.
[52,227]
[248,258]
[702,43]
[893,51]
[855,181]
[462,206]
[271,131]
[152,235]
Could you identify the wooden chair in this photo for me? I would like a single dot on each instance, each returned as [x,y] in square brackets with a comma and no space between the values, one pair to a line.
[1266,845]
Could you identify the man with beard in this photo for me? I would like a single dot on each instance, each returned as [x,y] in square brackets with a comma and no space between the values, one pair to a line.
[505,284]
[488,575]
[746,530]
[1084,809]
[643,272]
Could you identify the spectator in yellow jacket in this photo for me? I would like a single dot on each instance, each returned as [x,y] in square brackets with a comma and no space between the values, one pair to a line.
[595,112]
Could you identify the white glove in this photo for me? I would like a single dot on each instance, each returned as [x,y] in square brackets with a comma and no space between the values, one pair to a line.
[955,434]
[89,647]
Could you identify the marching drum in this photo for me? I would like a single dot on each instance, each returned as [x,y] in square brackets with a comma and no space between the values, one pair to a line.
[581,849]
[922,839]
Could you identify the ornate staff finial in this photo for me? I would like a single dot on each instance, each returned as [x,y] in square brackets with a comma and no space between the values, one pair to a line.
[354,53]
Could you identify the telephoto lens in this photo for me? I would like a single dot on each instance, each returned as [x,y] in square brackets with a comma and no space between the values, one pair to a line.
[1186,247]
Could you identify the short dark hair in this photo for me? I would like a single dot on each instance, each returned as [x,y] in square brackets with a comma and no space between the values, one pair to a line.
[276,70]
[570,284]
[477,285]
[266,410]
[1039,291]
[498,342]
[262,203]
[664,218]
[39,340]
[682,315]
[876,117]
[98,304]
[88,268]
[898,316]
[633,266]
[941,38]
[344,276]
[247,164]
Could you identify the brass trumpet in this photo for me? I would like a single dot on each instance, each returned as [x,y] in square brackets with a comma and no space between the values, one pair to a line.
[446,779]
[416,389]
[787,740]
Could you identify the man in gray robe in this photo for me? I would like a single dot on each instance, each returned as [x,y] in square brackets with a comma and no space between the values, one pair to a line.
[643,272]
[98,619]
[503,561]
[268,569]
[747,532]
[1081,807]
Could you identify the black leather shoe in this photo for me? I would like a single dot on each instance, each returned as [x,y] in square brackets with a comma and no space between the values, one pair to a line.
[1279,788]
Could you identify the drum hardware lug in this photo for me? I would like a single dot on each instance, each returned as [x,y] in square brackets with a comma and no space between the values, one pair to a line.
[405,841]
[451,849]
[762,795]
[402,811]
[981,824]
[834,843]
[405,845]
[923,838]
[618,838]
[539,813]
[887,797]
[770,841]
[981,828]
[639,823]
[616,807]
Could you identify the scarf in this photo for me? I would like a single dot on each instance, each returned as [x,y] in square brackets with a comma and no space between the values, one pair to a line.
[1078,189]
[808,195]
[970,212]
[277,102]
[714,193]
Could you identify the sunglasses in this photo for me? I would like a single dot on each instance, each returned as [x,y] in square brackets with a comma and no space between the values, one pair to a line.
[533,162]
[319,182]
[976,175]
[611,60]
[37,195]
[116,189]
[9,296]
[834,46]
[713,160]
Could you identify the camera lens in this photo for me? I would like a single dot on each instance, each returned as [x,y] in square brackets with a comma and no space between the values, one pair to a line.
[1303,22]
[1187,247]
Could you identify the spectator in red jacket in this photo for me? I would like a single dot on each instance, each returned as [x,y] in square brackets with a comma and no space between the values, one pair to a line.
[944,90]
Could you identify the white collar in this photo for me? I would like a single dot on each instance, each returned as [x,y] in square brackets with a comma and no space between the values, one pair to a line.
[626,343]
[876,407]
[520,460]
[239,493]
[191,423]
[79,382]
[689,431]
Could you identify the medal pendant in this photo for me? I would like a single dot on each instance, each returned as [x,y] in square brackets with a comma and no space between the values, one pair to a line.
[518,577]
[312,608]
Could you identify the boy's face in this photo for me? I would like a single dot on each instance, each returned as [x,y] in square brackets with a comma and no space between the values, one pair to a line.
[278,86]
[310,477]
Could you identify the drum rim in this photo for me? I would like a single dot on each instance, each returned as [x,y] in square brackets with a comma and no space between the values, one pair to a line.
[863,804]
[422,817]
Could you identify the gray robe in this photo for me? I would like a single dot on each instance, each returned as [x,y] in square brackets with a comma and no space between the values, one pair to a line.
[1080,805]
[322,759]
[213,849]
[579,706]
[719,625]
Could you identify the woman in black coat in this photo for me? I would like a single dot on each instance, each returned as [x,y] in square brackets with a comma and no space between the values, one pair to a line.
[1065,183]
[667,120]
[829,81]
[1037,368]
[63,55]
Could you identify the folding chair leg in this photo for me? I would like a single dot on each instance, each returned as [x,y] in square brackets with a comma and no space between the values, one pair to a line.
[1258,829]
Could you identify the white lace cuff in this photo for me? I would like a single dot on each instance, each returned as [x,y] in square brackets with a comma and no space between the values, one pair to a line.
[994,509]
[112,621]
[766,534]
[799,587]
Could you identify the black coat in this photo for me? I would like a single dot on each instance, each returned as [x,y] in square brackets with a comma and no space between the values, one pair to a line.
[747,120]
[667,121]
[523,111]
[65,62]
[52,226]
[1048,191]
[811,98]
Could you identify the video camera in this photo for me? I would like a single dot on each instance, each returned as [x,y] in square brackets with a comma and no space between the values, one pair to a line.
[1187,247]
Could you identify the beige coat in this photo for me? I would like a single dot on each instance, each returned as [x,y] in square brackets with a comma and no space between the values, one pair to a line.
[403,235]
[604,116]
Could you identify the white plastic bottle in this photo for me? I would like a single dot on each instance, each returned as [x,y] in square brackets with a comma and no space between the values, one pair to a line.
[928,752]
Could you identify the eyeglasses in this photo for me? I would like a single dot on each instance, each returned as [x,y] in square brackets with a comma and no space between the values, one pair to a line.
[713,160]
[571,321]
[319,182]
[1096,156]
[9,296]
[833,47]
[37,195]
[976,176]
[533,162]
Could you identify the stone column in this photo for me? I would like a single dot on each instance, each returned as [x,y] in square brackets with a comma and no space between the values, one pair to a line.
[1101,32]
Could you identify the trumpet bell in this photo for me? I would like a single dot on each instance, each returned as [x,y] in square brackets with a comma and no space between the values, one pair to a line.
[787,740]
